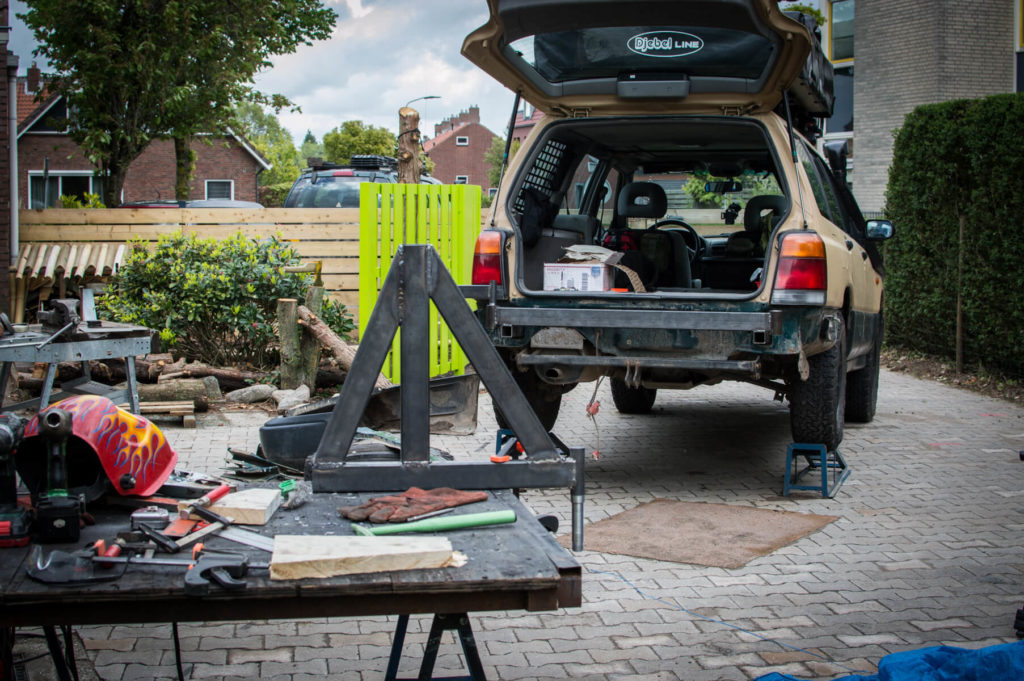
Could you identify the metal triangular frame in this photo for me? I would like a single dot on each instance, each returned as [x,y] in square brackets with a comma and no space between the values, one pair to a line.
[417,276]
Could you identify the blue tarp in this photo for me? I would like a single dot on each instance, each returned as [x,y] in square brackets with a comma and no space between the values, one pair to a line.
[942,663]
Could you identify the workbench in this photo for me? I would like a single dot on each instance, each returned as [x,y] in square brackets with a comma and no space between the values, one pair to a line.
[92,340]
[511,567]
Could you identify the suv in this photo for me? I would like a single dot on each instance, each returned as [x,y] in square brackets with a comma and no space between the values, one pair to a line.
[655,123]
[329,185]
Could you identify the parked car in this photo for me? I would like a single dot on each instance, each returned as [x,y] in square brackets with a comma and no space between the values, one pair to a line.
[195,203]
[331,185]
[639,110]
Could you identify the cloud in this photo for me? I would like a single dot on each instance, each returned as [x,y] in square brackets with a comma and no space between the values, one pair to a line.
[381,55]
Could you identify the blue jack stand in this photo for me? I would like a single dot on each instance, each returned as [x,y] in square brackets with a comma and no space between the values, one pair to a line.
[818,459]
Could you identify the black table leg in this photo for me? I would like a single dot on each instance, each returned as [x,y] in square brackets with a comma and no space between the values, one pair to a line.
[443,622]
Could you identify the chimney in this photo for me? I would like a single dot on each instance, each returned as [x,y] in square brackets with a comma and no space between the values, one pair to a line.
[34,78]
[474,114]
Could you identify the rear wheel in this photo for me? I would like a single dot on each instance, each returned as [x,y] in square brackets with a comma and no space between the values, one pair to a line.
[632,400]
[545,399]
[862,386]
[817,406]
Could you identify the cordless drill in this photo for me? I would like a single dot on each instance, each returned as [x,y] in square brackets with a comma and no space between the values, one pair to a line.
[15,522]
[58,514]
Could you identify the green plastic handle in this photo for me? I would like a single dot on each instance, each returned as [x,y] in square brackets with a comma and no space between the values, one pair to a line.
[440,524]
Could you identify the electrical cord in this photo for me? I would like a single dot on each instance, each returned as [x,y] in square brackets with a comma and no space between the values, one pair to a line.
[676,606]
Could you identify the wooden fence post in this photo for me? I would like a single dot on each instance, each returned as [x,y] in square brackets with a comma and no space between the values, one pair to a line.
[308,345]
[288,331]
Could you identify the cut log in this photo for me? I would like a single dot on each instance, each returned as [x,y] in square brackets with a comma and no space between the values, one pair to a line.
[289,334]
[301,557]
[309,347]
[342,351]
[248,507]
[176,390]
[229,379]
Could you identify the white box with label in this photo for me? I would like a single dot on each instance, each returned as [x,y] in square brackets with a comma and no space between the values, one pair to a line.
[591,277]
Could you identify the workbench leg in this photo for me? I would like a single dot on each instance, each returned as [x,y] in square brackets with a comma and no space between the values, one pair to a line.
[442,622]
[396,648]
[7,653]
[133,385]
[44,396]
[56,653]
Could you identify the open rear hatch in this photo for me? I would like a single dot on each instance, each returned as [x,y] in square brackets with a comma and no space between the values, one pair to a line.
[601,57]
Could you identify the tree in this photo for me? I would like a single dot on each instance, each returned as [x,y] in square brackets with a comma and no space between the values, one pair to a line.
[806,9]
[355,137]
[495,157]
[134,70]
[310,148]
[270,138]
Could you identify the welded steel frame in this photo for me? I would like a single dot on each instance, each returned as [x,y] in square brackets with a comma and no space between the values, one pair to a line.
[417,277]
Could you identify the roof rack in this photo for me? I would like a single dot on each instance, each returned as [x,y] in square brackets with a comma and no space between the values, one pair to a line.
[358,162]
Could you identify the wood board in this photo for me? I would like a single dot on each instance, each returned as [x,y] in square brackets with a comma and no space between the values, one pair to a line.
[249,507]
[304,556]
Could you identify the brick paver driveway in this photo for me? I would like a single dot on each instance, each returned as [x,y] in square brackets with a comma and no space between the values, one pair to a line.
[927,550]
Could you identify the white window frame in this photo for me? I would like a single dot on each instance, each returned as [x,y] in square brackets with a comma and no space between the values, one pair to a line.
[462,179]
[91,174]
[462,141]
[231,184]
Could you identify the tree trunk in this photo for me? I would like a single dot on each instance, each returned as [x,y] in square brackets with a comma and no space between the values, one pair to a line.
[342,351]
[184,160]
[408,145]
[229,379]
[113,183]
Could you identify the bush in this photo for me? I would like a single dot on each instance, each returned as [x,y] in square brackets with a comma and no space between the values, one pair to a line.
[956,159]
[213,301]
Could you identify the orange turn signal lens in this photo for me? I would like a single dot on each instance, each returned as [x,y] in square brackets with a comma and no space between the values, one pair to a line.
[802,245]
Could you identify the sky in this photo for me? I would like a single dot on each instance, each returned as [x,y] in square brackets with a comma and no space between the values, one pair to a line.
[381,55]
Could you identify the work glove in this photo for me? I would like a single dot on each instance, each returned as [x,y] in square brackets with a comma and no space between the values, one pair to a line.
[412,502]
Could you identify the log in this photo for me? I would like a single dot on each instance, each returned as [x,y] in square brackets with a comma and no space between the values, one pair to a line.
[229,379]
[342,351]
[176,390]
[408,145]
[309,347]
[291,355]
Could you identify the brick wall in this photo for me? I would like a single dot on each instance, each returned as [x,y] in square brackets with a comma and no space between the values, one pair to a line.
[913,52]
[5,165]
[151,176]
[451,159]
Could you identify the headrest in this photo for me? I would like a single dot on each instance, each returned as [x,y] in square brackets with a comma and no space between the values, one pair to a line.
[642,200]
[757,204]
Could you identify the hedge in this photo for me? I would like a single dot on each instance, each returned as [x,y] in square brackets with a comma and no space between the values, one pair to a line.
[959,158]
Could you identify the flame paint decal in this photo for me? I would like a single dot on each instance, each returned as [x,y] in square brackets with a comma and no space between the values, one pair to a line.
[126,444]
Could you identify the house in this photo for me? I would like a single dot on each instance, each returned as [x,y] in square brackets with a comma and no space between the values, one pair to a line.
[50,164]
[909,53]
[458,150]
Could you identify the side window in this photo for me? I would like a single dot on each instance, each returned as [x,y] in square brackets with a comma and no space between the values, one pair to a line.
[824,194]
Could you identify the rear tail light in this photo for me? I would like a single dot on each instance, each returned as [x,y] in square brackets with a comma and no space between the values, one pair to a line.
[487,266]
[802,277]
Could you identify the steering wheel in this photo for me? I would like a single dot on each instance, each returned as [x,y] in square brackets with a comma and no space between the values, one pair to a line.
[694,242]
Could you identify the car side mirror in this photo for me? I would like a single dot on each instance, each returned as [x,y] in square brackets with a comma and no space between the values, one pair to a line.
[723,187]
[880,230]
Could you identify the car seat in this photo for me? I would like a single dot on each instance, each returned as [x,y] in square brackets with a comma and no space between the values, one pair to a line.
[665,250]
[747,244]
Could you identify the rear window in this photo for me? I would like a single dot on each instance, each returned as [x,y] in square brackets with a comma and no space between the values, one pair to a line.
[328,192]
[611,52]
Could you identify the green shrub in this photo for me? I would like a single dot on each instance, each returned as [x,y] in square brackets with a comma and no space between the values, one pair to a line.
[213,301]
[954,159]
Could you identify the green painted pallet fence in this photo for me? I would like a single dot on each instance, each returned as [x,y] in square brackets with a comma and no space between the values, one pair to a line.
[445,216]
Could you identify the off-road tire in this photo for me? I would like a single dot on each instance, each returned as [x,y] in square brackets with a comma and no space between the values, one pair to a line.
[817,406]
[862,386]
[632,400]
[545,399]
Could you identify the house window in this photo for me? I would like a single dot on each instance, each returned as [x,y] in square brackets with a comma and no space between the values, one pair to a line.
[220,189]
[462,179]
[841,30]
[462,141]
[45,192]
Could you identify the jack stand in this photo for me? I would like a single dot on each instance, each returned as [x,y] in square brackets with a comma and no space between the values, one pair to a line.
[818,459]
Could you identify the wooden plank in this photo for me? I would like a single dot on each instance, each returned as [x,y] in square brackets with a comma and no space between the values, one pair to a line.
[302,557]
[249,507]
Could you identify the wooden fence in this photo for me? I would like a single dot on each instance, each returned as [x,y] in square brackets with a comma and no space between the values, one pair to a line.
[59,246]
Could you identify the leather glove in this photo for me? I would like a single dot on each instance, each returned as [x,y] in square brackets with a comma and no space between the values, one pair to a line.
[412,502]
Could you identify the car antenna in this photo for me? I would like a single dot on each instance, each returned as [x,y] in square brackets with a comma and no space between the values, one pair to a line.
[504,158]
[796,163]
